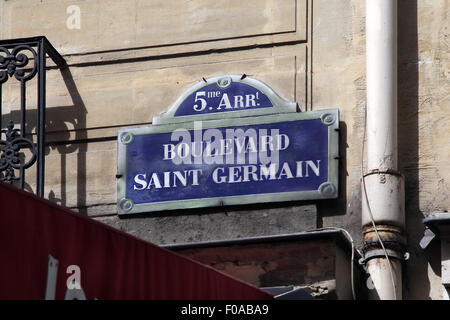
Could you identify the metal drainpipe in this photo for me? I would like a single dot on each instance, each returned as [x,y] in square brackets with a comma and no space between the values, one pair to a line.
[383,184]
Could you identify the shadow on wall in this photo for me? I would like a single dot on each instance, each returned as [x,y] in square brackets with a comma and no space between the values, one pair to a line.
[337,207]
[79,110]
[58,120]
[416,282]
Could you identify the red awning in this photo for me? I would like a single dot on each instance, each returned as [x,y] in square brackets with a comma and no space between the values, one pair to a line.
[107,263]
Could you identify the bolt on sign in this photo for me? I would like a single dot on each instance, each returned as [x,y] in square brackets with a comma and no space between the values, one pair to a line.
[228,140]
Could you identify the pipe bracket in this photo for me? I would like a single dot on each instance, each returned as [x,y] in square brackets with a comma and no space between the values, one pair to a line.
[379,253]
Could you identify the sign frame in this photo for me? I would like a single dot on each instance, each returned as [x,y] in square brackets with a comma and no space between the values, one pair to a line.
[327,190]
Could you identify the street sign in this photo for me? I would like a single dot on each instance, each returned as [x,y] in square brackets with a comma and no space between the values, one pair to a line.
[216,156]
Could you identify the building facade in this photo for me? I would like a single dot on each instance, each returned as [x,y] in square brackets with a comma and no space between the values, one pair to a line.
[129,61]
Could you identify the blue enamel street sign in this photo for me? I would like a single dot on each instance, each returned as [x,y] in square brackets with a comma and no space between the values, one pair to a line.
[215,157]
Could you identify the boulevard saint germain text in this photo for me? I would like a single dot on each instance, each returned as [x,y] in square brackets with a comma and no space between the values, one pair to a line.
[239,157]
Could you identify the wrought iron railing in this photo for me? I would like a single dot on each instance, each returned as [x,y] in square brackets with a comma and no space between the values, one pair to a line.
[23,59]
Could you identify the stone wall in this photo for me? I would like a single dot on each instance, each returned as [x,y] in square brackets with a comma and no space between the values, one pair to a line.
[130,60]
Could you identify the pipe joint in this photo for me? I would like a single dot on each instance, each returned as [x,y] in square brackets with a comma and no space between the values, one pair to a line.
[394,241]
[381,172]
